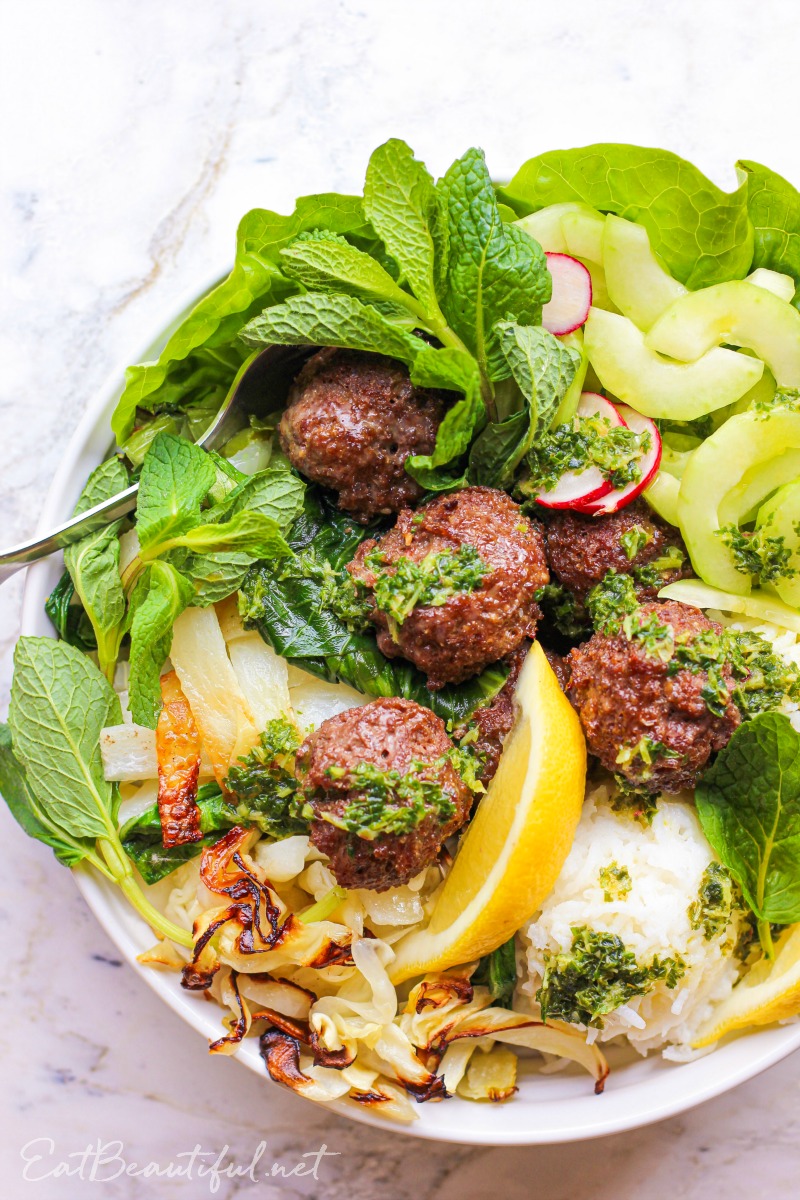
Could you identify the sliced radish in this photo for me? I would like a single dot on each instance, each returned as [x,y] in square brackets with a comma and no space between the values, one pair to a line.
[572,294]
[614,500]
[576,488]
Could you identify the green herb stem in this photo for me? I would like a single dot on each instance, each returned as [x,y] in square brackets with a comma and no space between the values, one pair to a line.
[123,876]
[324,907]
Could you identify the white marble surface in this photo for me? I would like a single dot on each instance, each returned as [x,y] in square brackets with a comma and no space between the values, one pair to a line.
[133,135]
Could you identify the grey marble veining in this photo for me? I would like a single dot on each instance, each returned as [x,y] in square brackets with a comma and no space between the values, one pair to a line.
[133,136]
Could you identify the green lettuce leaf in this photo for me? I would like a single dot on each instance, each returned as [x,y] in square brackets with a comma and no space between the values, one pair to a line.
[93,566]
[203,354]
[494,270]
[774,207]
[748,803]
[542,368]
[176,476]
[158,599]
[704,235]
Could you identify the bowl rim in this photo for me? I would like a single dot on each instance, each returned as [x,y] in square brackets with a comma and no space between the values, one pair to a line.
[674,1089]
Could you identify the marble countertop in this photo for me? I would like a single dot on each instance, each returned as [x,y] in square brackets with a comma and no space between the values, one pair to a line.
[134,136]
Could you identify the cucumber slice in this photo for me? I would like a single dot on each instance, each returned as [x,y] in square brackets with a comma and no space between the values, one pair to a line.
[760,606]
[662,496]
[631,371]
[571,398]
[743,443]
[780,518]
[738,313]
[637,283]
[780,285]
[583,232]
[545,226]
[742,502]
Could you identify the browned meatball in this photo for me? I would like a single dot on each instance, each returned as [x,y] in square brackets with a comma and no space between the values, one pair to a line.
[637,704]
[384,764]
[581,549]
[351,422]
[461,630]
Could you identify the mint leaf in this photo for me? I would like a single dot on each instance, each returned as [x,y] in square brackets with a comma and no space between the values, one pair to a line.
[159,597]
[202,355]
[274,492]
[59,704]
[176,476]
[402,203]
[27,812]
[326,262]
[774,208]
[93,565]
[703,234]
[542,368]
[331,320]
[495,271]
[749,806]
[249,532]
[453,370]
[53,779]
[215,576]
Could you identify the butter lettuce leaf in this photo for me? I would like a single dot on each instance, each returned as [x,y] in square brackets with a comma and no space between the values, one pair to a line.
[203,354]
[774,207]
[703,235]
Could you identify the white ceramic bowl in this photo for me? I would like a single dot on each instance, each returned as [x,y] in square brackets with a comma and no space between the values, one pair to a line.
[556,1108]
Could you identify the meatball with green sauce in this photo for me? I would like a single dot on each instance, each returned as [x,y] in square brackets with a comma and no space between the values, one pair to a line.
[654,690]
[634,541]
[452,587]
[382,792]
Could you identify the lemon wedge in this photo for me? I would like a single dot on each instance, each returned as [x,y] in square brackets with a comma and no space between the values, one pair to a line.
[770,991]
[516,845]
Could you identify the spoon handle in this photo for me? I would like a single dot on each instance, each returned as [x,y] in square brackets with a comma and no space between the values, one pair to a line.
[71,531]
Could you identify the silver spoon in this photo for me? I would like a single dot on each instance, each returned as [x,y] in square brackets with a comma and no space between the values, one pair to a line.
[261,385]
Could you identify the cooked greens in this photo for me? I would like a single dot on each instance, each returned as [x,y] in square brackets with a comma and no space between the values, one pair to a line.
[716,897]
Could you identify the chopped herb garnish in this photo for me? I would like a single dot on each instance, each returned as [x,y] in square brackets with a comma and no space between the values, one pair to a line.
[763,558]
[404,585]
[764,681]
[634,802]
[388,802]
[615,882]
[643,756]
[785,398]
[610,601]
[633,540]
[563,611]
[264,787]
[597,975]
[587,442]
[716,896]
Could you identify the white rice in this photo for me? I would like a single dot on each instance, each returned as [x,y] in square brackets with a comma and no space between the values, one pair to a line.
[665,862]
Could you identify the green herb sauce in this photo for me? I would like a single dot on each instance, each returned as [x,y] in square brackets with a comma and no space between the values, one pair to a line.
[264,786]
[430,583]
[587,442]
[597,975]
[615,882]
[716,897]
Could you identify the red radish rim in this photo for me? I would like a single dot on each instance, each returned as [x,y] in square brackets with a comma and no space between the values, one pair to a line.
[618,498]
[591,404]
[557,323]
